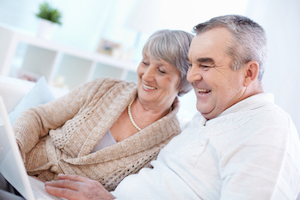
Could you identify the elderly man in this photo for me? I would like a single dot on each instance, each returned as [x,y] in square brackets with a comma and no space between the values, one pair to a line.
[240,146]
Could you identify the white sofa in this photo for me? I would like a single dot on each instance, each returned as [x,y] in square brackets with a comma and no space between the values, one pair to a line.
[13,90]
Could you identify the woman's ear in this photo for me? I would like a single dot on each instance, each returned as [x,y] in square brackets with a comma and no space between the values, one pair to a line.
[251,72]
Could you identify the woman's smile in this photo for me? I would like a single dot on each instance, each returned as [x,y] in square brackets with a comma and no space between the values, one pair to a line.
[148,87]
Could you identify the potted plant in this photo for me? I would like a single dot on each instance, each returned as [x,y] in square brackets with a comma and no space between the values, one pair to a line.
[49,19]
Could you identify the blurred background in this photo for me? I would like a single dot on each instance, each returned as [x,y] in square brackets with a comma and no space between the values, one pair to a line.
[128,23]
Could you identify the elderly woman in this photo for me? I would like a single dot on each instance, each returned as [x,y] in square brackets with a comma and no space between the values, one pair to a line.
[107,129]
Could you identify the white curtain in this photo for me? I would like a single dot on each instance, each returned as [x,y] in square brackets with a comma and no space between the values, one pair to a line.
[281,21]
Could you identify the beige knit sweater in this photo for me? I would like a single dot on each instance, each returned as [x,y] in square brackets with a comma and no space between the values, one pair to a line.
[58,137]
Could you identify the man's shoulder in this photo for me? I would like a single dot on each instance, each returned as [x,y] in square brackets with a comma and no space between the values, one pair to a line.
[262,109]
[268,113]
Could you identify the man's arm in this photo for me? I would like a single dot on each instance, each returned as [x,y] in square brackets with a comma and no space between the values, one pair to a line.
[77,187]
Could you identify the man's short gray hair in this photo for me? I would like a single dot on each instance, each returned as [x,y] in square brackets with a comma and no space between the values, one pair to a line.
[249,40]
[172,46]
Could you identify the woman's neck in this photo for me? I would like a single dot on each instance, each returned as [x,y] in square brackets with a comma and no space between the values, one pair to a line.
[146,114]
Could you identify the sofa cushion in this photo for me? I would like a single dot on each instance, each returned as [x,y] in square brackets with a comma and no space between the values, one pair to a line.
[13,90]
[39,94]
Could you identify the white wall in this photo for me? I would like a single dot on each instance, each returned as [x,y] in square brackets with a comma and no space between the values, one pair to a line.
[281,21]
[83,21]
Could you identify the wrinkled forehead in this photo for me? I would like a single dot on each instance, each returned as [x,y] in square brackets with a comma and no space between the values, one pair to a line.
[211,43]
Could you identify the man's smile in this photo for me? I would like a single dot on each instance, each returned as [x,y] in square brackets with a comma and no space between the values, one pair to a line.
[201,90]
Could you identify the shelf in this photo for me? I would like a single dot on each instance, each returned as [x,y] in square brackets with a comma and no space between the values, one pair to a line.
[46,58]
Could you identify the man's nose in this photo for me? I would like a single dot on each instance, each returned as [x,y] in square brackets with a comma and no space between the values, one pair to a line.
[193,74]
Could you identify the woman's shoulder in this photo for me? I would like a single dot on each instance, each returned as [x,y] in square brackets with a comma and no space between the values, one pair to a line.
[100,87]
[112,81]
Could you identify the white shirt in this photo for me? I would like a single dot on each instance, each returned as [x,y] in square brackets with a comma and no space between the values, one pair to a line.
[250,151]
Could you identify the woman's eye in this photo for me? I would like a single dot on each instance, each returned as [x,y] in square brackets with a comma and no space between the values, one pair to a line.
[161,71]
[145,63]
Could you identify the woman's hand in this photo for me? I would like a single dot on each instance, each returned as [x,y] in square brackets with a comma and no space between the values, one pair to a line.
[77,187]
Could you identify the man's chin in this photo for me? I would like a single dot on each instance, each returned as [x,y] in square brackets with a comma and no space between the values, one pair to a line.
[205,113]
[202,108]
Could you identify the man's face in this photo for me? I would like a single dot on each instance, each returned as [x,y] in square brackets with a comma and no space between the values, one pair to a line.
[216,85]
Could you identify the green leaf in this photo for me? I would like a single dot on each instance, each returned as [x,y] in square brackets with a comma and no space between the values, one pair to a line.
[49,13]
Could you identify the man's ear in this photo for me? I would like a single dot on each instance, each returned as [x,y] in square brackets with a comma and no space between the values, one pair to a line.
[251,72]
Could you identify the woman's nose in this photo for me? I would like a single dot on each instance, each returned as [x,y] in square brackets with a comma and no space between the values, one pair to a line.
[148,74]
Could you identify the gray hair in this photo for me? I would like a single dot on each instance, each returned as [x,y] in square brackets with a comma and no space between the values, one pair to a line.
[172,46]
[249,40]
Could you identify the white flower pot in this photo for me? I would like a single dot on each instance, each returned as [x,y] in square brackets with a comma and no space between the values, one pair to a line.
[46,28]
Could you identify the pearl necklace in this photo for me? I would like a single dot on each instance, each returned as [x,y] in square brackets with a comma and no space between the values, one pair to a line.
[130,116]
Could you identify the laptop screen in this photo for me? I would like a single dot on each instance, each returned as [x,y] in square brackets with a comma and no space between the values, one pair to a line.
[11,163]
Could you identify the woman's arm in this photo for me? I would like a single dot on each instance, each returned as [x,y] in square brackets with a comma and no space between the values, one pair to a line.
[37,121]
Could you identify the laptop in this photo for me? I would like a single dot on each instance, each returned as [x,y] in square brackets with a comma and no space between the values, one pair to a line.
[11,163]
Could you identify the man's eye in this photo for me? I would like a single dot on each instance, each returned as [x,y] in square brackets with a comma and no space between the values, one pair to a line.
[145,63]
[205,67]
[190,64]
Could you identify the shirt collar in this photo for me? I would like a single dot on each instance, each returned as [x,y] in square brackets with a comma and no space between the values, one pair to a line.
[251,102]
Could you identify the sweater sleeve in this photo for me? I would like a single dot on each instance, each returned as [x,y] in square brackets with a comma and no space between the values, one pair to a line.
[36,122]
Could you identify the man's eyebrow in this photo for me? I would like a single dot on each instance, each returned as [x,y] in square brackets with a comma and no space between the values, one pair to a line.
[205,60]
[202,60]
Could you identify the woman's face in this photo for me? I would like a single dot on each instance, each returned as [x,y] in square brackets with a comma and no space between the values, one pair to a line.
[158,82]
